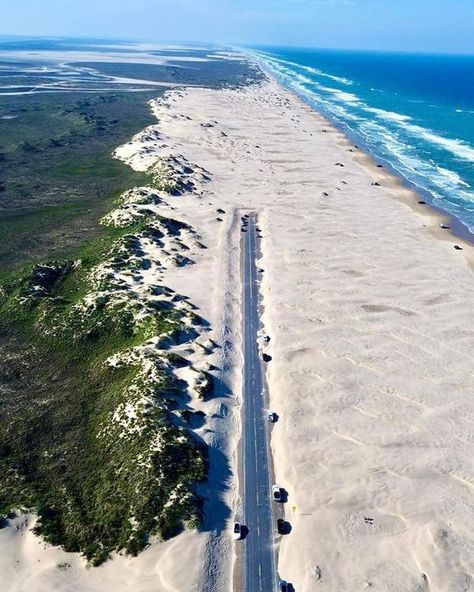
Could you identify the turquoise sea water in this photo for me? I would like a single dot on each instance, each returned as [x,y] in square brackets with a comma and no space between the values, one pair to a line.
[414,113]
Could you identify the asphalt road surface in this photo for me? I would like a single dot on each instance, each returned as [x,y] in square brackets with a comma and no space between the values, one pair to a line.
[259,563]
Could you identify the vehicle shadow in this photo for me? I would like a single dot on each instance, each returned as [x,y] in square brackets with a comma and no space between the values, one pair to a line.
[284,495]
[285,586]
[245,531]
[285,528]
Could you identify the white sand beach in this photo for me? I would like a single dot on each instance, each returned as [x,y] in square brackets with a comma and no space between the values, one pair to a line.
[369,310]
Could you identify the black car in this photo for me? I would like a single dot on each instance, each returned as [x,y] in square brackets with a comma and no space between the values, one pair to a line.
[272,416]
[281,526]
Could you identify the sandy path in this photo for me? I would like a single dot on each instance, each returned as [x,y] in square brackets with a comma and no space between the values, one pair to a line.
[370,314]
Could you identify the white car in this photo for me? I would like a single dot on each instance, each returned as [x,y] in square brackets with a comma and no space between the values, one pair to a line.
[276,493]
[237,532]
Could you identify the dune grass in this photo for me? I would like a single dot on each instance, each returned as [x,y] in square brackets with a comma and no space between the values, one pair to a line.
[65,452]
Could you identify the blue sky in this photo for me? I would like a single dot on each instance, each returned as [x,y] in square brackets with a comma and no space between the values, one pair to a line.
[411,25]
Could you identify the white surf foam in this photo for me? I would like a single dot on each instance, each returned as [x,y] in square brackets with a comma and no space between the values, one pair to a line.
[345,97]
[388,115]
[315,71]
[459,148]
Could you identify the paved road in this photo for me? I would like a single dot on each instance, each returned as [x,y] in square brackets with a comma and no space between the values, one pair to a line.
[259,563]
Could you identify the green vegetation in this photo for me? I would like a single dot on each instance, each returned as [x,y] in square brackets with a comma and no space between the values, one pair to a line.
[57,173]
[163,178]
[92,446]
[94,437]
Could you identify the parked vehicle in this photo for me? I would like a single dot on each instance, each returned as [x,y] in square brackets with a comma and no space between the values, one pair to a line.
[272,416]
[237,533]
[283,587]
[281,526]
[276,493]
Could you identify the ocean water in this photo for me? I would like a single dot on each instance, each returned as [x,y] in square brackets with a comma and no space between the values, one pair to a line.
[414,113]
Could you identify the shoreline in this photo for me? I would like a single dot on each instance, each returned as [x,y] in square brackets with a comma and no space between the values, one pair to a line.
[408,194]
[456,227]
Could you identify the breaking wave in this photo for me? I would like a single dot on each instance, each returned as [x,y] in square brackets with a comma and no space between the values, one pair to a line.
[429,159]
